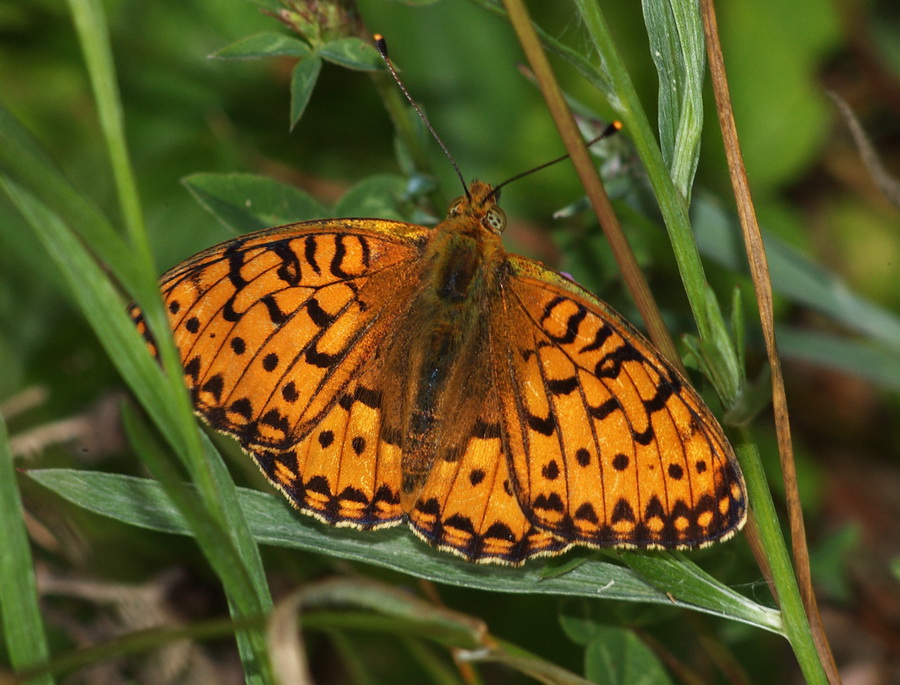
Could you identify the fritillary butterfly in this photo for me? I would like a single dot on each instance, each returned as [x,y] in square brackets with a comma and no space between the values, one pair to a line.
[381,372]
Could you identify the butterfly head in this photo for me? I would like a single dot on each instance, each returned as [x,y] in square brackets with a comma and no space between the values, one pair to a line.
[480,203]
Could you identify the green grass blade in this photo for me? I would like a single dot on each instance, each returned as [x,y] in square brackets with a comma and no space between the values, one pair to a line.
[105,311]
[90,21]
[673,205]
[861,359]
[215,542]
[23,629]
[794,275]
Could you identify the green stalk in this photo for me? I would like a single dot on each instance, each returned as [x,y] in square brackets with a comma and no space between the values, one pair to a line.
[793,614]
[672,203]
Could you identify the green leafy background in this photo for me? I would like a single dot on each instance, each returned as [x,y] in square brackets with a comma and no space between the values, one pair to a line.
[203,132]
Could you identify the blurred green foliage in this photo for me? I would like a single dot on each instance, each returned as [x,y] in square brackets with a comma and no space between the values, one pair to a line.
[186,114]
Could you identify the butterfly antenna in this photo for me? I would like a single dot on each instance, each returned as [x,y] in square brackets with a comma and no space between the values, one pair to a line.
[381,45]
[611,129]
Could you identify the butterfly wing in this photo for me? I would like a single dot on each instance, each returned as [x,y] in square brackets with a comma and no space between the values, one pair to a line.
[467,505]
[607,444]
[278,333]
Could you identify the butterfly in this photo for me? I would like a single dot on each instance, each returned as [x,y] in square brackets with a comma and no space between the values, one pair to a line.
[382,372]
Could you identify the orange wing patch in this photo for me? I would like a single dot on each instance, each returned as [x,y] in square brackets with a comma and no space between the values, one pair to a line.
[468,505]
[342,472]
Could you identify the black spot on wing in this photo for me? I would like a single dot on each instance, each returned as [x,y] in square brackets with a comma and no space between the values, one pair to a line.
[552,502]
[370,398]
[544,426]
[289,269]
[583,457]
[610,366]
[562,386]
[600,337]
[276,315]
[309,253]
[340,252]
[676,472]
[605,409]
[319,316]
[550,471]
[644,437]
[622,511]
[192,368]
[586,512]
[485,431]
[572,323]
[663,392]
[460,522]
[289,392]
[276,420]
[242,407]
[214,387]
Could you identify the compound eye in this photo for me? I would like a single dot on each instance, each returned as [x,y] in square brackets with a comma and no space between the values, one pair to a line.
[456,207]
[495,219]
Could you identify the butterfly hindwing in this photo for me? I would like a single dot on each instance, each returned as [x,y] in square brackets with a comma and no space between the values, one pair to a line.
[343,472]
[468,506]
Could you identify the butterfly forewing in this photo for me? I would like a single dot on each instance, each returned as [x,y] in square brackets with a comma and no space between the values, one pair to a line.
[277,332]
[608,445]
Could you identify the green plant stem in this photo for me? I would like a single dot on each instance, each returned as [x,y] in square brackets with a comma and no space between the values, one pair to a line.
[786,591]
[671,203]
[762,286]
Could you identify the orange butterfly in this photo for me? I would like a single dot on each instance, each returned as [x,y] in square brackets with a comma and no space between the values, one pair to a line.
[381,372]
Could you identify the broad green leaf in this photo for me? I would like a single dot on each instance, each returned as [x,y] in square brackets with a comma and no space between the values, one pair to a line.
[616,656]
[352,53]
[303,80]
[247,202]
[266,44]
[143,503]
[376,196]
